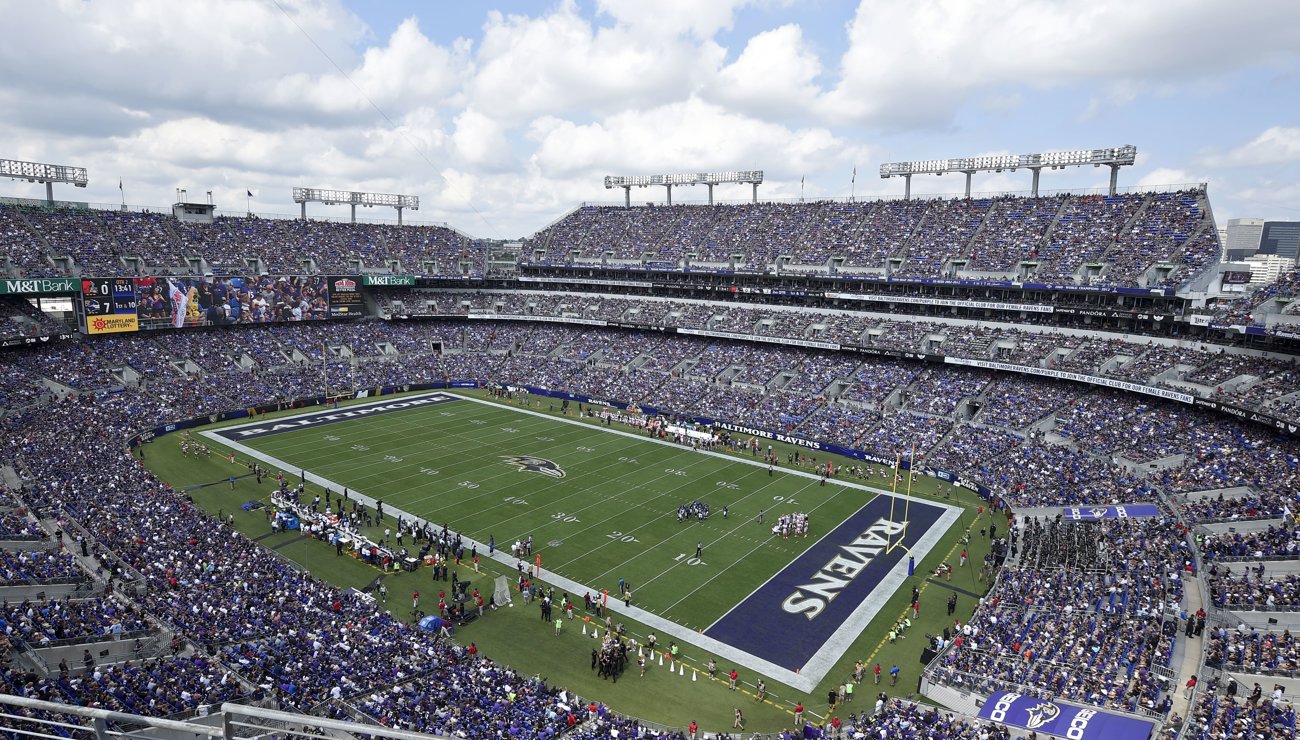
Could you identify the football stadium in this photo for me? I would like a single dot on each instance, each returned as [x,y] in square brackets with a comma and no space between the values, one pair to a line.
[1015,464]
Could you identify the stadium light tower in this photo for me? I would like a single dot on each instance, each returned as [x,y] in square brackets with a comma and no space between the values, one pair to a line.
[1113,158]
[46,173]
[304,196]
[753,177]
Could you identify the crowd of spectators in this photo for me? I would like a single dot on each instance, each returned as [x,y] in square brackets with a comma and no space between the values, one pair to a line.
[458,702]
[19,319]
[938,390]
[1172,229]
[41,622]
[1013,233]
[1246,457]
[895,718]
[1014,402]
[1265,504]
[1080,616]
[1253,590]
[108,243]
[24,250]
[1217,716]
[18,387]
[1111,581]
[1223,368]
[1251,650]
[1038,473]
[262,628]
[1199,371]
[158,687]
[38,566]
[17,526]
[1087,226]
[1127,234]
[881,406]
[1276,542]
[944,234]
[1155,359]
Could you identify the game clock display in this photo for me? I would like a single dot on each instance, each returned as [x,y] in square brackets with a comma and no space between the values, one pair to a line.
[109,305]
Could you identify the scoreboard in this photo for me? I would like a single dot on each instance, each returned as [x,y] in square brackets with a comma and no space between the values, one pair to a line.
[109,305]
[1236,277]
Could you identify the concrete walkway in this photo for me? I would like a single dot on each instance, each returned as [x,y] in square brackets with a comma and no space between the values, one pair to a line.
[1193,647]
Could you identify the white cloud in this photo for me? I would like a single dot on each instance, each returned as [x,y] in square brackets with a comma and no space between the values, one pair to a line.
[504,124]
[774,75]
[214,58]
[482,142]
[1169,176]
[1277,145]
[409,70]
[932,55]
[672,18]
[560,63]
[685,137]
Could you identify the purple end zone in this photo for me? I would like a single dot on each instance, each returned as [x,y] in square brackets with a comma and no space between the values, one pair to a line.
[788,619]
[253,430]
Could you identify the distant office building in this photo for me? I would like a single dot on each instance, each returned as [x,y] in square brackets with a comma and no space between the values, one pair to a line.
[1242,239]
[1267,268]
[1281,238]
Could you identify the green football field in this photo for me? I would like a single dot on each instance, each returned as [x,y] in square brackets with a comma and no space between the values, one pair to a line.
[612,515]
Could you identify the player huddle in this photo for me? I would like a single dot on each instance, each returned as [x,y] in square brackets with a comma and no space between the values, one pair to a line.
[791,525]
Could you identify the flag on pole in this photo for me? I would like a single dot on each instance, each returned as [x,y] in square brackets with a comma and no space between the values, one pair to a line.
[855,176]
[250,193]
[119,184]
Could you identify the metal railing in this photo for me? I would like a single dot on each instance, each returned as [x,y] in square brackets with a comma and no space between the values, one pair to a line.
[93,722]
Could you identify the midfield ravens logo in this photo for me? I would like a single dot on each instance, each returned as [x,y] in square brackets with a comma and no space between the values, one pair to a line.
[1041,714]
[530,464]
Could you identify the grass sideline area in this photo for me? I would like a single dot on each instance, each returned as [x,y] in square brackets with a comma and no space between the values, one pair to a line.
[516,636]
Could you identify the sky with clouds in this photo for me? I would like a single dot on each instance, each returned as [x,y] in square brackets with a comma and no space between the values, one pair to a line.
[502,115]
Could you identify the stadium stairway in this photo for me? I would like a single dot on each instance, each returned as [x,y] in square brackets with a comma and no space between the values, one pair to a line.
[1191,649]
[10,478]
